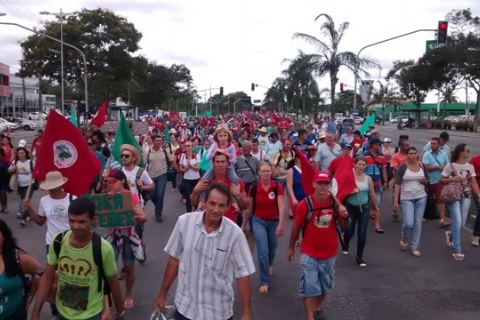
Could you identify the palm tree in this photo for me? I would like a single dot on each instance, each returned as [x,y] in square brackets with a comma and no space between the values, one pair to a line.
[300,72]
[278,94]
[328,59]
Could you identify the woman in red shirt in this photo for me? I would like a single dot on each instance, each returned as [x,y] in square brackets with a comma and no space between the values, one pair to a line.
[267,203]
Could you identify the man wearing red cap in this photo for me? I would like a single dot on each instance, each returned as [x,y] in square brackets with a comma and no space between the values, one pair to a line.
[317,216]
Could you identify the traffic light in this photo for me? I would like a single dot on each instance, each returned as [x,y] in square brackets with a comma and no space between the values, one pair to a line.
[341,86]
[442,32]
[253,86]
[221,91]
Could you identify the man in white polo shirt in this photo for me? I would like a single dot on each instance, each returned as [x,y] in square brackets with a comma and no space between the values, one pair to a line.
[206,252]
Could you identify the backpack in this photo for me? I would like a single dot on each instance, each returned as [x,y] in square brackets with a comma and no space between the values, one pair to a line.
[26,280]
[311,209]
[144,194]
[280,157]
[97,257]
[254,194]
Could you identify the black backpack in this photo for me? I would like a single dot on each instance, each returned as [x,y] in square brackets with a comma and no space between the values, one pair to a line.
[311,210]
[97,258]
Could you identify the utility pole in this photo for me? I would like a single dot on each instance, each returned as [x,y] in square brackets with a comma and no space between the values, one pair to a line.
[61,15]
[24,97]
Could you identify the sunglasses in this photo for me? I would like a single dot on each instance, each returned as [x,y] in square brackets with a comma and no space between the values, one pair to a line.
[126,156]
[467,150]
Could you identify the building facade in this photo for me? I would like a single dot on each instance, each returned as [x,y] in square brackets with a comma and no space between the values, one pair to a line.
[22,95]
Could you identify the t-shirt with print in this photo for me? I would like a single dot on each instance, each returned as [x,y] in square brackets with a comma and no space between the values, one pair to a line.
[77,288]
[24,172]
[56,212]
[320,240]
[465,171]
[132,178]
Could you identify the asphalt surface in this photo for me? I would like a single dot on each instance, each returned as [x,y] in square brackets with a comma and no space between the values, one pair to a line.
[394,285]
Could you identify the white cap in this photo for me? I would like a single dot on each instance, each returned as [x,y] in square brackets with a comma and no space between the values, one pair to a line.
[387,140]
[22,143]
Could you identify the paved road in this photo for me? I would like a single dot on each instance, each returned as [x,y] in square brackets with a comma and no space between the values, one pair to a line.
[395,285]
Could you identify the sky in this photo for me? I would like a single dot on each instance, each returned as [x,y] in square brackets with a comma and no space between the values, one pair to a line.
[232,44]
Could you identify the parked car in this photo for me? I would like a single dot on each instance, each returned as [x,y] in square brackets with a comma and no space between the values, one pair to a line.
[359,120]
[35,116]
[24,123]
[397,119]
[3,128]
[12,125]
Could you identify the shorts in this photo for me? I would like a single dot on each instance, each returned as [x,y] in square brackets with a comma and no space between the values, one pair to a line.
[318,276]
[128,258]
[436,191]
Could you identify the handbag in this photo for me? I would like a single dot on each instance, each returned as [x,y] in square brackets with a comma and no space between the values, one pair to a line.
[452,191]
[13,184]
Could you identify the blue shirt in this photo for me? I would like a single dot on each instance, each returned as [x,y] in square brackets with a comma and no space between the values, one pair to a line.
[432,159]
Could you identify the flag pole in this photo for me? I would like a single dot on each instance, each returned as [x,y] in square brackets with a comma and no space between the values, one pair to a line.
[27,196]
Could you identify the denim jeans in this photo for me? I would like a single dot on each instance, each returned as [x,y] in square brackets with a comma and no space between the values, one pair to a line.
[413,211]
[459,213]
[362,218]
[22,194]
[266,243]
[476,225]
[158,193]
[189,185]
[379,193]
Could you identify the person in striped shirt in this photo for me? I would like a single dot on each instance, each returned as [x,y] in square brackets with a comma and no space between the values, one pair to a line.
[207,251]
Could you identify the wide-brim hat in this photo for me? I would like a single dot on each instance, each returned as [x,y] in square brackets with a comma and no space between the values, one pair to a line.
[53,180]
[264,130]
[133,150]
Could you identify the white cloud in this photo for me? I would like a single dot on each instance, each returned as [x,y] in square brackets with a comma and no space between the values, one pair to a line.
[234,43]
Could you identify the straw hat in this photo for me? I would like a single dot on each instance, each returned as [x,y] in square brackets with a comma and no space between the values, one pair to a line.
[133,150]
[264,130]
[53,180]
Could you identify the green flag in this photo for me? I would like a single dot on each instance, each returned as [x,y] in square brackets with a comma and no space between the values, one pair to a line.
[367,123]
[73,117]
[167,133]
[204,163]
[124,136]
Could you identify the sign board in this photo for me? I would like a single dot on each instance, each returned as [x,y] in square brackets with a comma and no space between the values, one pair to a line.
[110,126]
[139,128]
[113,210]
[257,101]
[355,112]
[432,45]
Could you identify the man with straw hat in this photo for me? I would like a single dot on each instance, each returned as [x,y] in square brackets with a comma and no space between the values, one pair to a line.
[52,209]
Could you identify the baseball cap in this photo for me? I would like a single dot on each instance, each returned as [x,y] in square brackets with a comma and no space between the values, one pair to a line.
[182,141]
[22,143]
[115,175]
[347,146]
[321,177]
[374,140]
[387,140]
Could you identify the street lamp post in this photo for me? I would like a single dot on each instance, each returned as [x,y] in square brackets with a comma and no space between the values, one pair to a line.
[371,45]
[68,45]
[235,106]
[61,15]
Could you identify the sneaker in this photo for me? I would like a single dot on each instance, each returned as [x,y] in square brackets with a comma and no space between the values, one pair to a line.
[158,218]
[344,248]
[29,219]
[361,263]
[444,224]
[22,223]
[475,241]
[448,235]
[19,215]
[319,315]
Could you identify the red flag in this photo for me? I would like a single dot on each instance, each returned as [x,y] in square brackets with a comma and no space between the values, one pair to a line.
[64,149]
[99,117]
[343,182]
[308,172]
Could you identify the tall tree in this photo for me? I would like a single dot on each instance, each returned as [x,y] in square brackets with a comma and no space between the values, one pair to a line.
[385,95]
[329,59]
[107,40]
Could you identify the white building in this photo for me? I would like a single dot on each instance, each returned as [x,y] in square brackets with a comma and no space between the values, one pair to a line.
[14,105]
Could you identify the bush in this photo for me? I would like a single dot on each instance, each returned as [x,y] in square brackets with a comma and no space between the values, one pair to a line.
[460,126]
[470,126]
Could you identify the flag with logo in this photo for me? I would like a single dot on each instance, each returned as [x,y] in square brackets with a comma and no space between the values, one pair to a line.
[124,136]
[64,149]
[343,182]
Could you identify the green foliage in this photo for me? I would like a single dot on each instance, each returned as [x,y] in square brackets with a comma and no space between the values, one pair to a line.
[107,41]
[345,101]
